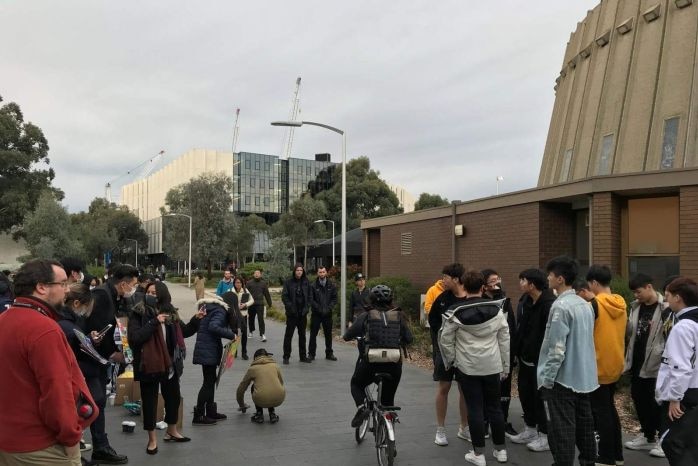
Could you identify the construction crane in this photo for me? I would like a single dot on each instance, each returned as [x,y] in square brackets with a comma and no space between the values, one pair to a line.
[236,130]
[293,114]
[146,168]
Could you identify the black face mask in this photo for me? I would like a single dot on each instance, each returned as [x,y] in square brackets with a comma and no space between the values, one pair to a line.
[151,300]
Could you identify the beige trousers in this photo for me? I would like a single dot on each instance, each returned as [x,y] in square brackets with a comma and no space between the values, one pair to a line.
[53,455]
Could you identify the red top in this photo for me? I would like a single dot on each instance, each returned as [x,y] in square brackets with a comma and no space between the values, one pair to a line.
[40,381]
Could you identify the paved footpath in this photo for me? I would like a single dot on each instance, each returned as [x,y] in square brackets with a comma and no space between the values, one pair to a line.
[314,420]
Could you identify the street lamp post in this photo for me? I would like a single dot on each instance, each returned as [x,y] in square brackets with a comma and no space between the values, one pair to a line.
[334,258]
[499,178]
[136,241]
[190,220]
[343,254]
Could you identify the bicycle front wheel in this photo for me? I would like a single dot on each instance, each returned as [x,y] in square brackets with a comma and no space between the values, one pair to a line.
[385,448]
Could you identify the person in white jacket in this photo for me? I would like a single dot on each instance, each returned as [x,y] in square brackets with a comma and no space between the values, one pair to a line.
[245,300]
[475,340]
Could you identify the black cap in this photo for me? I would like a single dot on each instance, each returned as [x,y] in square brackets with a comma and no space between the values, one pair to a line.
[261,352]
[359,276]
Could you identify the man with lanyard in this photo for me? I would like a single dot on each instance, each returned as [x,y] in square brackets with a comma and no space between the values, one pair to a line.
[677,381]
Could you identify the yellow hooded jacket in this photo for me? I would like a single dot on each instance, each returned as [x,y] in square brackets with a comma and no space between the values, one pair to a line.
[609,337]
[432,294]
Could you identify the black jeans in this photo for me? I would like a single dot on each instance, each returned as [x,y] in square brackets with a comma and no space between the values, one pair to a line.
[607,424]
[363,377]
[570,422]
[243,335]
[98,390]
[208,389]
[257,310]
[531,401]
[647,409]
[317,320]
[482,392]
[679,441]
[294,322]
[149,400]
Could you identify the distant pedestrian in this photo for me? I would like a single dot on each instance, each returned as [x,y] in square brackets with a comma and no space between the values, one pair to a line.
[359,299]
[260,293]
[643,356]
[268,390]
[226,284]
[567,368]
[199,286]
[297,298]
[677,381]
[611,318]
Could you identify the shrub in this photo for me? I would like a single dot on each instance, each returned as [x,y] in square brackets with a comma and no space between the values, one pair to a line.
[406,296]
[619,285]
[248,269]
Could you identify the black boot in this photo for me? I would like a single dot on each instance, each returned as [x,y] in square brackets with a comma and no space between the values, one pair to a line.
[212,412]
[200,418]
[107,455]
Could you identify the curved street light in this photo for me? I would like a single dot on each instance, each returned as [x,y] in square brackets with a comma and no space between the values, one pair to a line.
[343,254]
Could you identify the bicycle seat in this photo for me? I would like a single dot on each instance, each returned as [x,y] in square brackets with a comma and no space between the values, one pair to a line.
[380,376]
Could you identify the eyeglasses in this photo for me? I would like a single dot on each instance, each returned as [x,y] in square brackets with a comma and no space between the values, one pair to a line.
[64,284]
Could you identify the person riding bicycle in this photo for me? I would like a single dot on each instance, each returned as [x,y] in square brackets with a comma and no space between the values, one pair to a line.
[384,331]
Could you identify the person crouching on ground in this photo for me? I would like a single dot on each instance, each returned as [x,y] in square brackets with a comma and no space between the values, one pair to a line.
[267,386]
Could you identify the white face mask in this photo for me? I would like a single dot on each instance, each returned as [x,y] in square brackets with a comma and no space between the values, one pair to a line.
[130,292]
[92,287]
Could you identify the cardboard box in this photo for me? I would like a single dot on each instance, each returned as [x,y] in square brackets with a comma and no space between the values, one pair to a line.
[124,388]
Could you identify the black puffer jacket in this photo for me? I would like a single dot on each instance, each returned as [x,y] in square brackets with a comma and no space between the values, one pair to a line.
[141,326]
[209,348]
[531,326]
[69,321]
[290,293]
[324,297]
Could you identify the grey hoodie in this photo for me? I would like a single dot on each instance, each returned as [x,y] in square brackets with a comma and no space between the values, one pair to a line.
[474,337]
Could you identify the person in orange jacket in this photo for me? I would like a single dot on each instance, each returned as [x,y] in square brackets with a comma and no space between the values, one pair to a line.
[611,318]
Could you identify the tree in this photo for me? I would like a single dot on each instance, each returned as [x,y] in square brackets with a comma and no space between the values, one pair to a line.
[22,147]
[207,199]
[277,257]
[108,227]
[48,231]
[368,196]
[427,201]
[298,224]
[241,233]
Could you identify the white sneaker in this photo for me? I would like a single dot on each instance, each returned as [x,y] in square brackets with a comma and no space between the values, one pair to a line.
[251,334]
[464,433]
[528,435]
[540,444]
[441,439]
[639,443]
[658,451]
[263,338]
[472,458]
[500,455]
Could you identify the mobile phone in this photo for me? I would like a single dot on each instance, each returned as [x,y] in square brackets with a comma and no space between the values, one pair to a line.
[104,331]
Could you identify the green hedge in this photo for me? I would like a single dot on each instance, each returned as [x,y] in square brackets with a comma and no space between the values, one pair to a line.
[406,295]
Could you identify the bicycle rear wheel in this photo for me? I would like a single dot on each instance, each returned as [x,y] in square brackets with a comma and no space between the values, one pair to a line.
[360,431]
[385,448]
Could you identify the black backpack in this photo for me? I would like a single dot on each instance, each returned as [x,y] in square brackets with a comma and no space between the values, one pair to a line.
[383,328]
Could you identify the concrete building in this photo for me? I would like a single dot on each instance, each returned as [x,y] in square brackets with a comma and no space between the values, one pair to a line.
[618,183]
[407,200]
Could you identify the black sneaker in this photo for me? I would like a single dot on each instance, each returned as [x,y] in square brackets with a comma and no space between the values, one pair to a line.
[308,360]
[359,417]
[509,429]
[107,455]
[311,357]
[285,360]
[331,357]
[273,418]
[258,418]
[84,446]
[245,357]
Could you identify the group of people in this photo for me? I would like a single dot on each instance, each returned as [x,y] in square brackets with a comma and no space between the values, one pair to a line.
[572,340]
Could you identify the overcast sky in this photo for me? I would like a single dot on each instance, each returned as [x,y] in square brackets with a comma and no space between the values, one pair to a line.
[441,96]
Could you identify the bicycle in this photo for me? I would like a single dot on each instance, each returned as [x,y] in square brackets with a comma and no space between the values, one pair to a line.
[380,420]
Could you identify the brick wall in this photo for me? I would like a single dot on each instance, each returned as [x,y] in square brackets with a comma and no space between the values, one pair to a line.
[688,231]
[557,231]
[605,231]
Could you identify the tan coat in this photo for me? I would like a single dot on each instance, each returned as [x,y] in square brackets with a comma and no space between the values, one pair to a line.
[268,386]
[199,284]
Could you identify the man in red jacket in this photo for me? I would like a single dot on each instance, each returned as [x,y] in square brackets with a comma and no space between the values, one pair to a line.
[42,389]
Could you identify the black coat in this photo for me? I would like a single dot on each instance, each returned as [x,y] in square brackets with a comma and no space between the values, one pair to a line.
[141,326]
[358,301]
[104,310]
[288,296]
[68,322]
[532,321]
[259,291]
[209,348]
[324,297]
